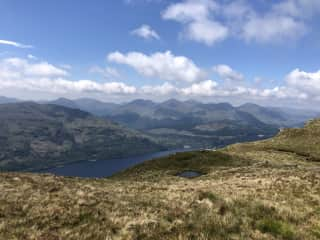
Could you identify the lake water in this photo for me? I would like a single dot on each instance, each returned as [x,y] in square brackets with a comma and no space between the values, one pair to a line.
[106,168]
[190,174]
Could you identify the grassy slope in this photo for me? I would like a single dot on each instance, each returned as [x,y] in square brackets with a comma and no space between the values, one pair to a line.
[249,191]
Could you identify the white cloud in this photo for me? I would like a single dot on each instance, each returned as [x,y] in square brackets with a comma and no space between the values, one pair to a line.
[17,73]
[146,32]
[64,86]
[208,32]
[306,82]
[228,74]
[162,65]
[273,28]
[164,89]
[14,44]
[209,21]
[205,88]
[298,8]
[195,15]
[237,9]
[107,72]
[33,76]
[25,68]
[189,10]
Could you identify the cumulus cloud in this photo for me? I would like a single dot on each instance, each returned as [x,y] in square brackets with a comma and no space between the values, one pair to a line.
[227,73]
[107,72]
[146,32]
[209,21]
[205,88]
[297,8]
[189,10]
[164,89]
[14,44]
[64,86]
[24,68]
[208,32]
[41,77]
[162,65]
[273,28]
[306,82]
[198,25]
[17,73]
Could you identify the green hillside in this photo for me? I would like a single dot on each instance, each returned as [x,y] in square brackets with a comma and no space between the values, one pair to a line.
[34,136]
[264,190]
[192,123]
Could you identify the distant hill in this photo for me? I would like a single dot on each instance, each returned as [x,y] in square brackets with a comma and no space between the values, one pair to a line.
[95,107]
[35,136]
[175,109]
[192,123]
[64,102]
[92,106]
[4,100]
[195,124]
[283,117]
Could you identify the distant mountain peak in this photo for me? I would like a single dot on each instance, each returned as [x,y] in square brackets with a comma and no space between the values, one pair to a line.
[7,100]
[65,103]
[142,101]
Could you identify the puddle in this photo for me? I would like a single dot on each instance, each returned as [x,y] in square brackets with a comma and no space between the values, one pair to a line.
[189,174]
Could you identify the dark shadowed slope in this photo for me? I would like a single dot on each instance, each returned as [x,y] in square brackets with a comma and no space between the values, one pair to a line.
[35,136]
[4,100]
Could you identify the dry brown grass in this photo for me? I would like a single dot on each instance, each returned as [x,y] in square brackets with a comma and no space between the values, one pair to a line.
[248,192]
[261,201]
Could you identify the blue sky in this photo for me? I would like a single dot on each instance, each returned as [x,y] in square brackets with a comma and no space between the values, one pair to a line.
[212,50]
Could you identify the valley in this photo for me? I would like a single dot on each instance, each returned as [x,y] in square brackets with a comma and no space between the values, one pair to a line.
[42,135]
[36,136]
[261,190]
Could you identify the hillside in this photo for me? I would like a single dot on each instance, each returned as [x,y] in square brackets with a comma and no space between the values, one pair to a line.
[4,100]
[246,191]
[282,117]
[35,136]
[266,115]
[175,109]
[192,123]
[92,106]
[180,123]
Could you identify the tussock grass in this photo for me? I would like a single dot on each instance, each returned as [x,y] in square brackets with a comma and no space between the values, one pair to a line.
[249,191]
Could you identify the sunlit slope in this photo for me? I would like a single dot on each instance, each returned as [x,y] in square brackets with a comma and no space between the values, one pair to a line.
[303,142]
[245,191]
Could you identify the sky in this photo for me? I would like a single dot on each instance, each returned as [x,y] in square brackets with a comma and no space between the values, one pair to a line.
[236,51]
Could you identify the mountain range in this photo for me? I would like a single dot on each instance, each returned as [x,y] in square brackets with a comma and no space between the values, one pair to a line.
[279,116]
[36,136]
[174,109]
[192,124]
